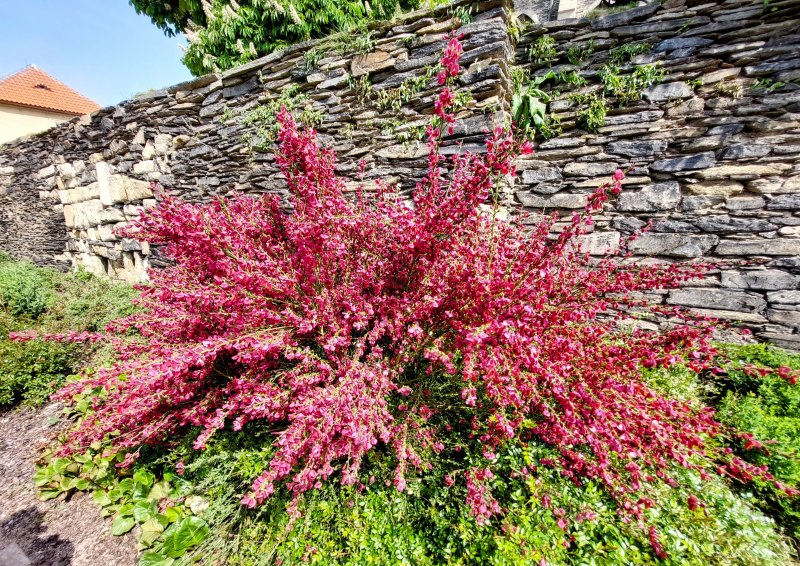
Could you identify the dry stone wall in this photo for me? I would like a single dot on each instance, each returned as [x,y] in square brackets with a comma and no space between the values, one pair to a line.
[713,149]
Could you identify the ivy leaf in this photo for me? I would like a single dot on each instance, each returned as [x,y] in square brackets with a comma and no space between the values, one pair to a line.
[122,525]
[190,532]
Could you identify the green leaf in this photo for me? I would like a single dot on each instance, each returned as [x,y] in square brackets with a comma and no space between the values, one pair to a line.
[155,559]
[151,530]
[159,491]
[43,476]
[101,498]
[126,510]
[190,532]
[173,514]
[47,494]
[122,525]
[143,511]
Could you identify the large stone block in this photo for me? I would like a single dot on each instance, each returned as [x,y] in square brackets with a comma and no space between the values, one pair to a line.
[684,163]
[674,245]
[599,243]
[784,297]
[743,172]
[773,247]
[668,91]
[715,188]
[775,185]
[762,280]
[658,196]
[560,200]
[723,299]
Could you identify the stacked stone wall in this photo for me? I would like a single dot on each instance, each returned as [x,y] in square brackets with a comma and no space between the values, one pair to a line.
[713,149]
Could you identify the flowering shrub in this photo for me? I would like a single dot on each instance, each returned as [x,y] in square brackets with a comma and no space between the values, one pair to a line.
[359,326]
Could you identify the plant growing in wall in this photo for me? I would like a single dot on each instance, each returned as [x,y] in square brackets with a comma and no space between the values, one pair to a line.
[529,108]
[577,54]
[592,114]
[628,88]
[543,50]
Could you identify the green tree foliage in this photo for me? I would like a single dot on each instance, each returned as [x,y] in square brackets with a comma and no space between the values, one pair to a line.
[225,33]
[171,16]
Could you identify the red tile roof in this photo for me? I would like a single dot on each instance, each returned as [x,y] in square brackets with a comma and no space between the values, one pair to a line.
[34,88]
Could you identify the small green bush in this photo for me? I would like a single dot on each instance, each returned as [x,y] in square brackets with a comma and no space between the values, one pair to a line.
[46,301]
[768,408]
[32,371]
[25,290]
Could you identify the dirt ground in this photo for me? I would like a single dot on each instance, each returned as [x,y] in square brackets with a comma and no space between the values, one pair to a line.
[53,533]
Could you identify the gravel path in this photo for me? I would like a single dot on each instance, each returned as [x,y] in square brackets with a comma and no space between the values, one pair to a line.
[54,533]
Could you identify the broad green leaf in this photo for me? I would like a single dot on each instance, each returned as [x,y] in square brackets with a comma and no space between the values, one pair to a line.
[143,511]
[151,530]
[122,525]
[47,494]
[159,491]
[173,514]
[126,510]
[43,476]
[155,559]
[190,532]
[101,498]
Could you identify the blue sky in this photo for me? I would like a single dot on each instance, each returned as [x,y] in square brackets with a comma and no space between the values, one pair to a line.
[101,48]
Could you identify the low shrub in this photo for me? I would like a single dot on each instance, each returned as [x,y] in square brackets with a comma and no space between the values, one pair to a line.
[25,290]
[466,363]
[767,409]
[40,301]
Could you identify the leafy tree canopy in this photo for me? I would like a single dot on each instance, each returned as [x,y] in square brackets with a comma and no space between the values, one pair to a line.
[226,33]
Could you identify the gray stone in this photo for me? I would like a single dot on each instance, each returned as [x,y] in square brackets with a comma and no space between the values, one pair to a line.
[732,225]
[783,246]
[560,200]
[775,185]
[785,202]
[763,280]
[743,151]
[715,188]
[658,196]
[791,318]
[784,297]
[684,163]
[544,174]
[668,91]
[691,204]
[628,223]
[681,43]
[744,203]
[717,298]
[674,245]
[582,169]
[599,243]
[639,148]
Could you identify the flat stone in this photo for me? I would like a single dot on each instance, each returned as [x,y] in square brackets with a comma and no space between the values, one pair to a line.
[784,297]
[744,151]
[370,63]
[545,174]
[674,245]
[743,172]
[720,75]
[561,200]
[775,185]
[728,224]
[715,188]
[775,247]
[762,280]
[684,163]
[790,318]
[643,148]
[581,169]
[109,215]
[724,299]
[785,202]
[658,196]
[144,167]
[680,43]
[599,243]
[745,203]
[668,91]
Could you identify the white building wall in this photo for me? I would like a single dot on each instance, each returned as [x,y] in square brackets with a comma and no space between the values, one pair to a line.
[18,121]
